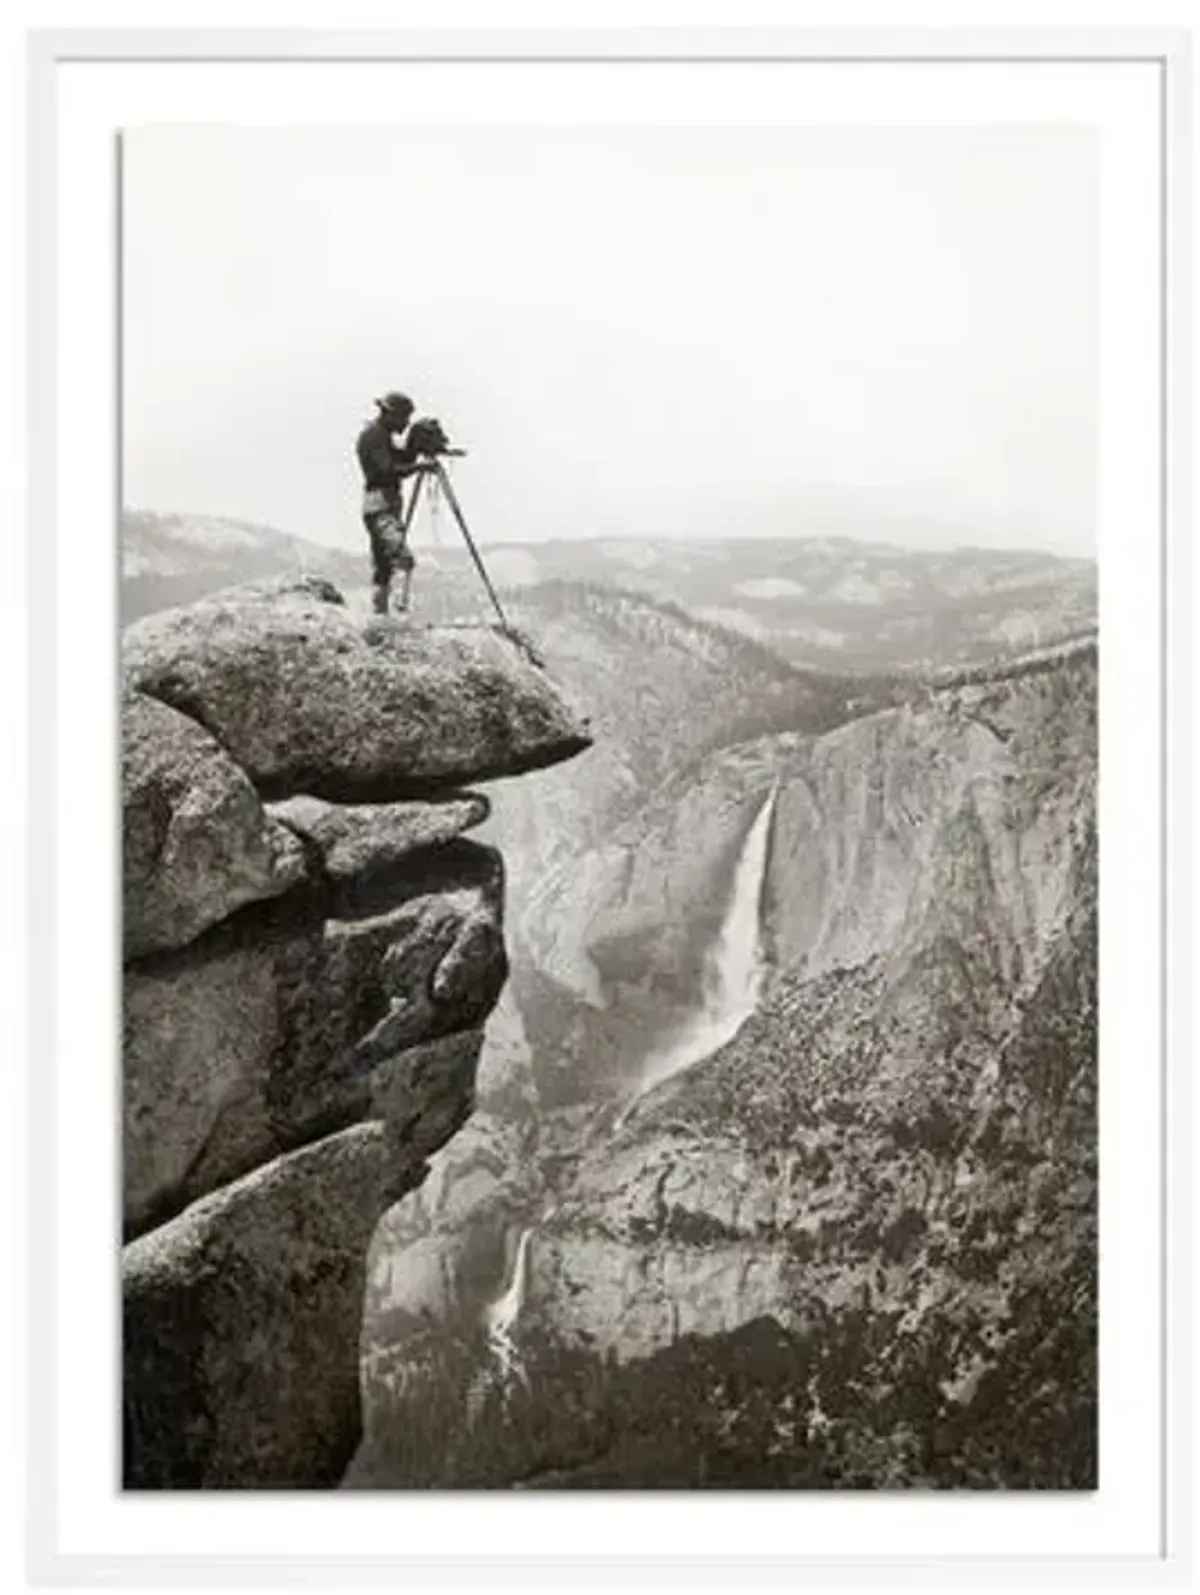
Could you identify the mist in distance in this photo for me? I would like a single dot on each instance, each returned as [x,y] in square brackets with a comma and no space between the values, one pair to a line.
[872,332]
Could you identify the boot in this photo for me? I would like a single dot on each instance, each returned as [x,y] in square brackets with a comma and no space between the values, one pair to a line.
[379,597]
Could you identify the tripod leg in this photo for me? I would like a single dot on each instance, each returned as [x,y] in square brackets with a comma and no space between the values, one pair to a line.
[412,503]
[444,483]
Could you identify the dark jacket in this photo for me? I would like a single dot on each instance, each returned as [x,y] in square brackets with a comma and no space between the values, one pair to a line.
[383,463]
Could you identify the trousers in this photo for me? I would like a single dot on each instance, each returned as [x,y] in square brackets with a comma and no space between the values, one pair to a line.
[384,522]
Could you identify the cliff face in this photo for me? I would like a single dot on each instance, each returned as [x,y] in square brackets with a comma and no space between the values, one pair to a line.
[664,689]
[898,1166]
[305,986]
[851,837]
[855,1244]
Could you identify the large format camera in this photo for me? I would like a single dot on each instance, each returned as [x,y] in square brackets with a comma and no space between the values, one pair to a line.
[427,438]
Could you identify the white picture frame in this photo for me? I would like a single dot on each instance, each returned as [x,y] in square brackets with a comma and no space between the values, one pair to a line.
[79,1530]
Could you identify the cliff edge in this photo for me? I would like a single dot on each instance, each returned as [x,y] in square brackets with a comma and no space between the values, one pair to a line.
[311,948]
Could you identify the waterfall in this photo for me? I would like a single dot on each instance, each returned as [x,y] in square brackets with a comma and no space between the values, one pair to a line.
[732,976]
[733,972]
[500,1317]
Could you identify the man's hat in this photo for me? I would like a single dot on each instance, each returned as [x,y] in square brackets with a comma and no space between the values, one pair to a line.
[392,402]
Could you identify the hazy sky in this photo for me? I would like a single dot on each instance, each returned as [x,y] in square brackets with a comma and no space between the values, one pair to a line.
[635,332]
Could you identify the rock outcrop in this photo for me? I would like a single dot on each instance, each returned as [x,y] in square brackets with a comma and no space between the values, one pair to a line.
[305,987]
[196,842]
[355,838]
[309,699]
[242,1315]
[266,1031]
[241,1324]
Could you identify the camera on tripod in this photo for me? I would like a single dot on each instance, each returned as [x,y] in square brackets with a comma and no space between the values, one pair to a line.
[428,442]
[427,439]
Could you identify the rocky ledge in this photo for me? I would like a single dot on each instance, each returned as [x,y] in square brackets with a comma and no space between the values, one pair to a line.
[311,949]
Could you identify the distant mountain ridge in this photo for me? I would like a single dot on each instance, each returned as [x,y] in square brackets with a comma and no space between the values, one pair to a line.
[823,602]
[174,559]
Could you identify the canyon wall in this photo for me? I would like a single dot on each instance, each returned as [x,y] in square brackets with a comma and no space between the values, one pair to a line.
[855,1243]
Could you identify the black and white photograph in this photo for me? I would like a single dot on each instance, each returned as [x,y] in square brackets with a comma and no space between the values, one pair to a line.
[608,670]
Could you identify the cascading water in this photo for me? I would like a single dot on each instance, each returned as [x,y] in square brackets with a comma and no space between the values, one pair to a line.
[734,970]
[500,1317]
[732,980]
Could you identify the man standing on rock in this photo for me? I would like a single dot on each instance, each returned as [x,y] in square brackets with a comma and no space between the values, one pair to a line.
[385,463]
